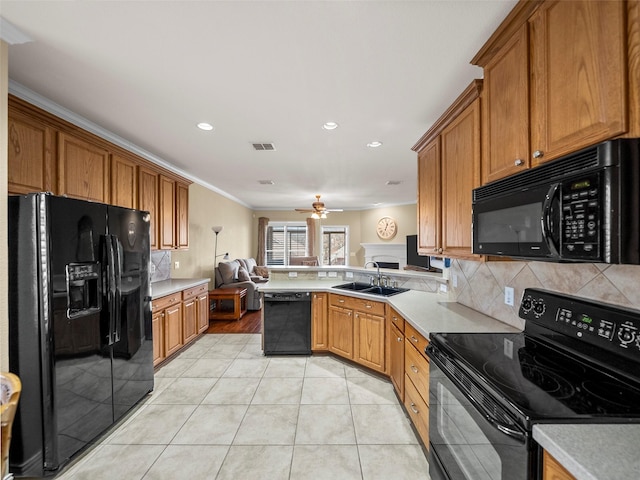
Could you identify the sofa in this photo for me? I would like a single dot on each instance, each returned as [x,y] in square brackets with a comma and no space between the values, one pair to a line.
[242,273]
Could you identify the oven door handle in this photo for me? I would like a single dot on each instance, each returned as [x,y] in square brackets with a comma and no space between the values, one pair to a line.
[517,435]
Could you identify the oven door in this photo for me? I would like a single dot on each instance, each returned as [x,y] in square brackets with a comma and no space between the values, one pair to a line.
[470,436]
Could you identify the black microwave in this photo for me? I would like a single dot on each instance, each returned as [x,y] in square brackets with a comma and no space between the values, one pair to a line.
[584,207]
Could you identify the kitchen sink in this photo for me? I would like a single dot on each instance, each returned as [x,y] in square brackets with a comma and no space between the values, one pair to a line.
[373,290]
[355,286]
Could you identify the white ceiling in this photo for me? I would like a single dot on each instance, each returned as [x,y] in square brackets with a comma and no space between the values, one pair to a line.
[263,71]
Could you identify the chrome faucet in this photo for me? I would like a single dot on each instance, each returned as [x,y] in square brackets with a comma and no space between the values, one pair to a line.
[377,266]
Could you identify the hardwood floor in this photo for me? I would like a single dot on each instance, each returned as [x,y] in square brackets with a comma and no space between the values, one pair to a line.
[250,323]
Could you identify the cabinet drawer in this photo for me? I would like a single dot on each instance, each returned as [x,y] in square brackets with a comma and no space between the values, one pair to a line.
[194,291]
[164,302]
[368,306]
[396,319]
[416,339]
[340,301]
[417,369]
[418,410]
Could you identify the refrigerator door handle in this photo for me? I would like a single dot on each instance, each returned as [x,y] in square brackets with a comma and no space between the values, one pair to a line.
[117,282]
[110,286]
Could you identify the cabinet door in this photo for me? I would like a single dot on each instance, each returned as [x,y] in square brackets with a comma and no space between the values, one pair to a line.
[506,110]
[124,182]
[202,303]
[83,169]
[460,174]
[148,200]
[173,329]
[182,215]
[167,211]
[369,340]
[397,360]
[341,331]
[158,337]
[189,320]
[29,161]
[319,325]
[578,93]
[552,470]
[429,207]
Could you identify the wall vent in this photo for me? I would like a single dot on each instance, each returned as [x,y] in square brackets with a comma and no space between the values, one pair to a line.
[263,146]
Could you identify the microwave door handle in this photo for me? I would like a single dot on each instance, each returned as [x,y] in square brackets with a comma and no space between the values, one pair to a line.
[547,230]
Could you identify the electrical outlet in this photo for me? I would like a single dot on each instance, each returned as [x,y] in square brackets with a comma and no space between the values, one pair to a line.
[454,280]
[508,295]
[176,265]
[153,268]
[322,274]
[333,274]
[443,287]
[293,274]
[348,274]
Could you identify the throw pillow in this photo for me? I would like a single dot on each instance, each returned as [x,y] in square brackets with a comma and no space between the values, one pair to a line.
[243,275]
[228,271]
[261,271]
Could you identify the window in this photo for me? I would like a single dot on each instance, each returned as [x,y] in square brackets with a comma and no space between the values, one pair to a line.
[335,250]
[285,240]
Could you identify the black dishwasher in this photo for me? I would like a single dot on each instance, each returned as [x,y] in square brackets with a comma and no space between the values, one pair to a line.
[287,323]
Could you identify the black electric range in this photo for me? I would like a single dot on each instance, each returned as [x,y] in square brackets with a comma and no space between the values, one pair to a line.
[576,361]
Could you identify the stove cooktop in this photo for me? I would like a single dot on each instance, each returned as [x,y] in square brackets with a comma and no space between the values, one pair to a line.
[557,370]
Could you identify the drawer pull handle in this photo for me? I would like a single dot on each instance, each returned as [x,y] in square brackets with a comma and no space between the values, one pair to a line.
[413,367]
[368,306]
[341,301]
[413,407]
[414,339]
[399,339]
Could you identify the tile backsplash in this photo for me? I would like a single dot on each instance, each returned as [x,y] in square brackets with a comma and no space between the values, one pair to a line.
[160,265]
[481,285]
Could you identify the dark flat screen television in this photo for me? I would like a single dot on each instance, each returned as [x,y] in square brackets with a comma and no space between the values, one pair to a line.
[413,259]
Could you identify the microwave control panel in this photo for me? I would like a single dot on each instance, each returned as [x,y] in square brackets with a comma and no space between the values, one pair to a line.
[580,218]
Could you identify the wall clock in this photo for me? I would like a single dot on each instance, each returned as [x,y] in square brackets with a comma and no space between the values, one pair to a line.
[387,228]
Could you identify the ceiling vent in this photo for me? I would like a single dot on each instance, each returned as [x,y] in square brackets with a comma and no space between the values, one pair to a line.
[266,182]
[263,146]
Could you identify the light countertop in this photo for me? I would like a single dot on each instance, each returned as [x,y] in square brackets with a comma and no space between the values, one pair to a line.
[426,312]
[593,451]
[173,285]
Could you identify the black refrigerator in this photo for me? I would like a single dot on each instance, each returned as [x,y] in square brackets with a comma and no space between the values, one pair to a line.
[79,324]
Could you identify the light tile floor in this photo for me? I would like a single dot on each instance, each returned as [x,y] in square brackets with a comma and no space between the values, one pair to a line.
[221,410]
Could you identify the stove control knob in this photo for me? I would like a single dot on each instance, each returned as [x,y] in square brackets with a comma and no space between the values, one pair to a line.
[526,304]
[626,335]
[539,307]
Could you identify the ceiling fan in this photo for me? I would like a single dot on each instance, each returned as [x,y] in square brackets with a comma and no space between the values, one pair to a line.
[318,209]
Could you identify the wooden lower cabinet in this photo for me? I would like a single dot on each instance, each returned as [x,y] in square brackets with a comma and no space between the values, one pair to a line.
[340,329]
[369,340]
[319,322]
[552,470]
[178,319]
[416,381]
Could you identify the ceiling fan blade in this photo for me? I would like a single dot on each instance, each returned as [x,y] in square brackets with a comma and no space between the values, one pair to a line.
[304,210]
[333,210]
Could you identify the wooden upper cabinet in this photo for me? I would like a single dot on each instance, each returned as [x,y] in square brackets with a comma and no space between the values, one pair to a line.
[124,182]
[148,201]
[167,212]
[579,72]
[29,166]
[506,110]
[182,215]
[83,169]
[429,207]
[460,175]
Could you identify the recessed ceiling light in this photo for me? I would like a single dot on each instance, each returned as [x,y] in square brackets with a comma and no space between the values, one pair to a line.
[374,144]
[330,126]
[205,126]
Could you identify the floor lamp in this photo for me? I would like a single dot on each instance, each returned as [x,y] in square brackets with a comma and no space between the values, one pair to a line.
[217,230]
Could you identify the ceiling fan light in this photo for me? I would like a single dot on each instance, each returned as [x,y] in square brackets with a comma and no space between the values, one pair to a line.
[324,215]
[315,215]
